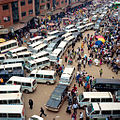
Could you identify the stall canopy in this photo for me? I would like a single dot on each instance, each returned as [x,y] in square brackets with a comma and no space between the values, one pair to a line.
[2,40]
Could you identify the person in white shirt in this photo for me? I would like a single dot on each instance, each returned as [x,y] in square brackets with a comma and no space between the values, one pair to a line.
[81,115]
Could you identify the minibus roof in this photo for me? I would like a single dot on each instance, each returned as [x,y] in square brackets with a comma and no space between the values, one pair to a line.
[56,51]
[67,34]
[21,79]
[110,81]
[49,38]
[13,60]
[68,70]
[97,95]
[106,106]
[25,52]
[72,30]
[36,44]
[40,46]
[11,108]
[82,26]
[2,55]
[10,96]
[34,38]
[7,42]
[44,72]
[62,44]
[18,49]
[9,87]
[69,38]
[53,32]
[39,54]
[69,26]
[11,65]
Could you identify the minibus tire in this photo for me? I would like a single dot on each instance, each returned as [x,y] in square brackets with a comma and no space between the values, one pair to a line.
[48,83]
[26,91]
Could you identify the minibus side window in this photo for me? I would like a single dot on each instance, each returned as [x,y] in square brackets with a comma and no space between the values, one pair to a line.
[116,112]
[86,100]
[95,112]
[3,101]
[13,101]
[3,115]
[3,92]
[15,115]
[39,76]
[26,84]
[32,75]
[17,83]
[106,112]
[95,99]
[48,76]
[9,82]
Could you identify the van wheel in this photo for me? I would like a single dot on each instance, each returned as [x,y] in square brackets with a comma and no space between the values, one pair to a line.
[26,91]
[48,83]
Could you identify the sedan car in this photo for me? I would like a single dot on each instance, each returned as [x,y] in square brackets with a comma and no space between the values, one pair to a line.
[57,98]
[36,117]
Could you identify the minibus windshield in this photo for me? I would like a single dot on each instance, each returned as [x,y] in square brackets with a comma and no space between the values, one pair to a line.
[80,97]
[90,109]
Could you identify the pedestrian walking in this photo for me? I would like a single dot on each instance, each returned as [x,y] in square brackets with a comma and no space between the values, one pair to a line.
[73,116]
[68,109]
[81,115]
[101,72]
[42,112]
[31,103]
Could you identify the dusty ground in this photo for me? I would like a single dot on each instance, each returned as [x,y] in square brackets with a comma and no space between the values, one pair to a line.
[42,93]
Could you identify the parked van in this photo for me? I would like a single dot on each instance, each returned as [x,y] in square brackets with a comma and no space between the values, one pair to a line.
[72,30]
[94,18]
[86,98]
[55,54]
[28,84]
[69,27]
[49,39]
[53,33]
[44,76]
[67,76]
[66,35]
[12,112]
[63,46]
[11,98]
[79,24]
[85,21]
[103,110]
[35,39]
[90,26]
[81,28]
[69,40]
[10,89]
[102,84]
[37,63]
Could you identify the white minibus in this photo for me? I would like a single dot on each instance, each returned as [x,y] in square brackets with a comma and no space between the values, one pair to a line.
[79,24]
[69,40]
[86,98]
[10,89]
[44,76]
[11,98]
[40,54]
[85,21]
[63,46]
[16,50]
[72,30]
[55,54]
[35,39]
[40,47]
[67,76]
[12,112]
[53,33]
[66,35]
[94,18]
[12,61]
[89,26]
[27,84]
[37,63]
[69,27]
[49,39]
[81,28]
[11,67]
[24,55]
[30,47]
[101,111]
[6,46]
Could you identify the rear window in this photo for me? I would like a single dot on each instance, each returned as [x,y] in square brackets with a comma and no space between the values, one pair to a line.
[48,76]
[26,84]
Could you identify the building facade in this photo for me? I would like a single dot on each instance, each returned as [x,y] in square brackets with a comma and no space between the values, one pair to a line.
[14,11]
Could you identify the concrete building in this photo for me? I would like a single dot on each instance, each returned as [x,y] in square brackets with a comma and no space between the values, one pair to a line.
[15,11]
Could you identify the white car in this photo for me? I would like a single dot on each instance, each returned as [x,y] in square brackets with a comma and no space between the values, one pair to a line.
[36,117]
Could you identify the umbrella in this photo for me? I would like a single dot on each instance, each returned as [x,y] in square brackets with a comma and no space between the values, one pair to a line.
[99,43]
[99,36]
[2,40]
[84,8]
[102,39]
